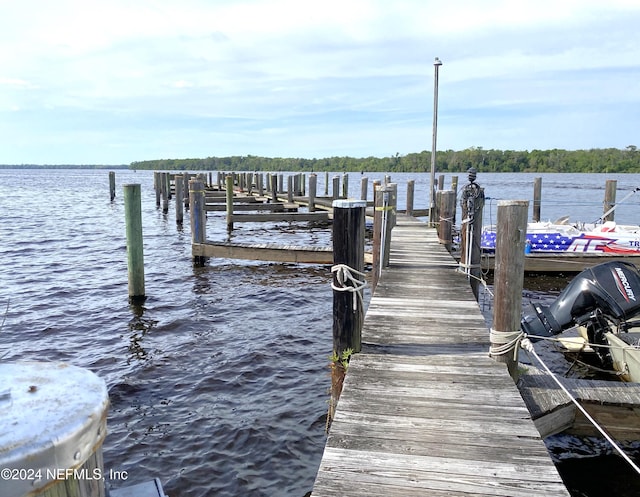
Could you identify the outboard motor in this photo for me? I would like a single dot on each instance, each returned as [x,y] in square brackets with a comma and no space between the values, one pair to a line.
[598,298]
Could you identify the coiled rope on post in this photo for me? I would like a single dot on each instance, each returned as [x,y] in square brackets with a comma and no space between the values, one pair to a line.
[346,274]
[526,344]
[503,342]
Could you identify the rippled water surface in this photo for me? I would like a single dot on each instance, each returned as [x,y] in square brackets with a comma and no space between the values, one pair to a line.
[218,382]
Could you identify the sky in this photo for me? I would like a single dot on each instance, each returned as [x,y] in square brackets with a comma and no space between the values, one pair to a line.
[117,81]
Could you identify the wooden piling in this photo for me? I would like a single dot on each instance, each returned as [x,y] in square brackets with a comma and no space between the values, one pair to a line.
[609,200]
[511,232]
[393,202]
[157,187]
[345,185]
[410,189]
[135,255]
[364,186]
[112,185]
[260,184]
[185,189]
[290,188]
[336,187]
[164,184]
[454,187]
[313,185]
[229,197]
[377,233]
[537,196]
[326,184]
[167,178]
[198,215]
[388,210]
[445,226]
[274,187]
[179,182]
[348,250]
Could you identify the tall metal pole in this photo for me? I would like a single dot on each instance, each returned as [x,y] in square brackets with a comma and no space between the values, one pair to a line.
[432,203]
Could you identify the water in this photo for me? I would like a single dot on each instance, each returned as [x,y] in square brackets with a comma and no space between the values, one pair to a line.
[219,381]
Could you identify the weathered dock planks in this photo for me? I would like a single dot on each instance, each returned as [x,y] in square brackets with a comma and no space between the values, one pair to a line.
[424,410]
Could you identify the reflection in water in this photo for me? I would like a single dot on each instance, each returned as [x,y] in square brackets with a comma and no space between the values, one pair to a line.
[139,326]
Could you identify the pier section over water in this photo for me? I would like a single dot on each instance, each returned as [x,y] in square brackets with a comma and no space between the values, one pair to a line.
[424,410]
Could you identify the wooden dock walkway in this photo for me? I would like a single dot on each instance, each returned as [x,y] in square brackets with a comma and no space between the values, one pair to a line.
[424,410]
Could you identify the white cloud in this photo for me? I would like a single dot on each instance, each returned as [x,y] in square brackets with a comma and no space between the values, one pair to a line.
[329,73]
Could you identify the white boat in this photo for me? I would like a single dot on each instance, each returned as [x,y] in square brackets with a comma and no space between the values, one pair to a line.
[625,356]
[559,237]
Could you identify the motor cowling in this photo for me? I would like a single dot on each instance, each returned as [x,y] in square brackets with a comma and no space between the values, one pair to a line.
[612,288]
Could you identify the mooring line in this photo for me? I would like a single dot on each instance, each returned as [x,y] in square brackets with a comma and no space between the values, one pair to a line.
[528,346]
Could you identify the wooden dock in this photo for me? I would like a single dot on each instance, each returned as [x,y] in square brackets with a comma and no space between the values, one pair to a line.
[424,410]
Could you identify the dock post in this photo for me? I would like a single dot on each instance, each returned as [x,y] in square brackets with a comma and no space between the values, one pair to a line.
[336,187]
[388,218]
[167,178]
[112,185]
[345,185]
[326,183]
[229,197]
[471,203]
[185,189]
[274,187]
[445,225]
[364,187]
[54,416]
[537,196]
[164,184]
[441,182]
[260,184]
[198,214]
[348,280]
[157,187]
[609,200]
[179,198]
[410,189]
[393,202]
[377,233]
[313,186]
[511,235]
[135,255]
[454,187]
[290,186]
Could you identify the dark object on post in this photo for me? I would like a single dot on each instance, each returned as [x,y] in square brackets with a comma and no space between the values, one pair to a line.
[472,203]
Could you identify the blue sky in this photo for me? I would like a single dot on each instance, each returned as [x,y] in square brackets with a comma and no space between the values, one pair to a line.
[115,81]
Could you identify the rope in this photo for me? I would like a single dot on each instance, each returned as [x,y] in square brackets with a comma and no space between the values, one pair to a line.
[528,346]
[344,275]
[502,342]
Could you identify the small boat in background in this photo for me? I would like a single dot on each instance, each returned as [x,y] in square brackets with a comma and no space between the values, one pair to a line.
[561,238]
[562,247]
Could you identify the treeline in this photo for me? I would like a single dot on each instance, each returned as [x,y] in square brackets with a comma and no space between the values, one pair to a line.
[610,160]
